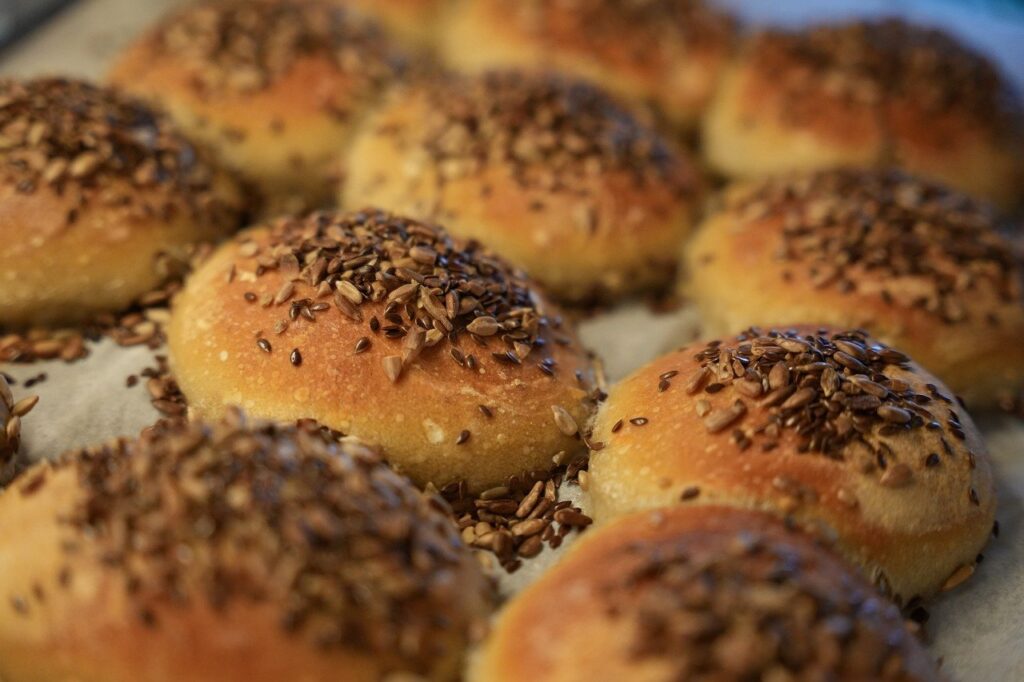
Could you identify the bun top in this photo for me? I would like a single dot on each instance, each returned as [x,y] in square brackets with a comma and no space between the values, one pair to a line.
[354,555]
[701,593]
[81,140]
[550,132]
[643,25]
[433,288]
[871,62]
[243,46]
[916,243]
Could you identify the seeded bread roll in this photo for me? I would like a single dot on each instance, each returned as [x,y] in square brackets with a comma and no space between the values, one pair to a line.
[668,53]
[700,593]
[918,265]
[389,330]
[275,86]
[869,94]
[833,429]
[230,552]
[414,21]
[551,174]
[95,188]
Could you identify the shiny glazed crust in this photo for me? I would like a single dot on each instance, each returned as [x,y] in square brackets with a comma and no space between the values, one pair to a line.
[418,419]
[911,503]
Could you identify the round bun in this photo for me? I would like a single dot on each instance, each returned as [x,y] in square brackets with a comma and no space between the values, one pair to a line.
[389,330]
[413,21]
[868,94]
[920,266]
[551,174]
[668,53]
[275,86]
[231,552]
[700,593]
[840,433]
[94,188]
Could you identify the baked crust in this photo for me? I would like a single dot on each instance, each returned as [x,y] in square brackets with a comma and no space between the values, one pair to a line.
[549,173]
[668,53]
[868,94]
[419,418]
[276,87]
[922,267]
[94,188]
[230,552]
[689,593]
[907,497]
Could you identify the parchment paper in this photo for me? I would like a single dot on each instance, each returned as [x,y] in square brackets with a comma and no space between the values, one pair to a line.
[977,630]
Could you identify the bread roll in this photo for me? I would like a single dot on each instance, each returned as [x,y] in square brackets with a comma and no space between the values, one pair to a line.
[414,21]
[668,53]
[230,552]
[94,187]
[700,593]
[868,94]
[275,86]
[919,265]
[550,173]
[830,428]
[389,330]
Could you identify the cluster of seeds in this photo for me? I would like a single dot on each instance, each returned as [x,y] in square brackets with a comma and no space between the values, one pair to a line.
[919,244]
[757,607]
[11,413]
[164,393]
[873,63]
[834,390]
[88,143]
[514,521]
[405,281]
[644,25]
[550,132]
[246,45]
[352,554]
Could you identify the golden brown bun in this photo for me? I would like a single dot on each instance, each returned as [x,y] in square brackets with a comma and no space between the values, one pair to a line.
[414,21]
[93,188]
[918,265]
[668,53]
[874,453]
[551,174]
[869,94]
[275,86]
[428,419]
[230,552]
[700,593]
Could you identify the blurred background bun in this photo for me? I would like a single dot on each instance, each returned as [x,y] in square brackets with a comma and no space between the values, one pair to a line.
[98,193]
[921,266]
[275,86]
[552,174]
[871,93]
